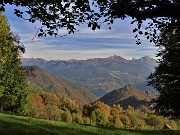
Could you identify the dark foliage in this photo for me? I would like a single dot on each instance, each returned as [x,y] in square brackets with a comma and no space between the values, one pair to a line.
[59,14]
[166,78]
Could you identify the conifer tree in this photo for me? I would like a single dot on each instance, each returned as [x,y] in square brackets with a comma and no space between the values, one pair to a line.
[13,85]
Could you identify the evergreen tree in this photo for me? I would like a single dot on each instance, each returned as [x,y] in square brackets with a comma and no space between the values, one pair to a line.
[5,43]
[166,78]
[13,85]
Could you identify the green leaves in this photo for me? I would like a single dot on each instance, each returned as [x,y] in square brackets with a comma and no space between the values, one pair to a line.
[13,90]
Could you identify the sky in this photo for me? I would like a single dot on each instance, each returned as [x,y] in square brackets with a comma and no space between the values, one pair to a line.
[85,44]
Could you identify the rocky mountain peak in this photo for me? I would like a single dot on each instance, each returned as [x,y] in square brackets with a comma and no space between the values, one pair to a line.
[128,95]
[147,59]
[128,86]
[100,75]
[115,57]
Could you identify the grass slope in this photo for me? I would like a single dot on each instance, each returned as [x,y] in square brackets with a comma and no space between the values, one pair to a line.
[18,125]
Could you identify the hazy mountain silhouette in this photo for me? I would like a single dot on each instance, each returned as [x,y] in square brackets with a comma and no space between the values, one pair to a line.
[100,75]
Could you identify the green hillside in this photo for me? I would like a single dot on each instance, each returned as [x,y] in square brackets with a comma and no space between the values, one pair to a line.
[18,125]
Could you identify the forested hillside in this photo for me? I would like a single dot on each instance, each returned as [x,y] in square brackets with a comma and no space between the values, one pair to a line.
[43,80]
[100,75]
[47,105]
[46,97]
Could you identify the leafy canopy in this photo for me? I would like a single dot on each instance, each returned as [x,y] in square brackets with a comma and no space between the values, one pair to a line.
[166,78]
[55,15]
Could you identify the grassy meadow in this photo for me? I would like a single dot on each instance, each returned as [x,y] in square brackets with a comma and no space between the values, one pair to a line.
[19,125]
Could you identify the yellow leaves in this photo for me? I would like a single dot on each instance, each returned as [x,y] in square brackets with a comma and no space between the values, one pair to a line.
[50,98]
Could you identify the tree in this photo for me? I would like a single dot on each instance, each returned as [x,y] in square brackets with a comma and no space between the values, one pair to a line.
[36,106]
[125,120]
[166,78]
[13,90]
[92,118]
[77,118]
[60,14]
[67,117]
[50,98]
[52,112]
[117,123]
[88,111]
[156,122]
[4,35]
[102,112]
[6,42]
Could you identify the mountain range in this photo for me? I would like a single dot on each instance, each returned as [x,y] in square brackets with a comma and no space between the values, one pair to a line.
[100,75]
[43,80]
[128,95]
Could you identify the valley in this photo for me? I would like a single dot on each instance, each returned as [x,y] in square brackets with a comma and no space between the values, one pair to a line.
[42,80]
[100,75]
[57,77]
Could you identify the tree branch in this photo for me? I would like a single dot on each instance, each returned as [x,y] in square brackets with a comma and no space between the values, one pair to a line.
[165,10]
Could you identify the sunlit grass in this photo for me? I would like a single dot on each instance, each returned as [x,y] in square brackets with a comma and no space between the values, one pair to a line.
[19,125]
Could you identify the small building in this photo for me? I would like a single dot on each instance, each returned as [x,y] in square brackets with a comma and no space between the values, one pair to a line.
[167,126]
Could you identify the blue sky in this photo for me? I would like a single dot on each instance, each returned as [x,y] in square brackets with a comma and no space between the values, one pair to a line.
[84,44]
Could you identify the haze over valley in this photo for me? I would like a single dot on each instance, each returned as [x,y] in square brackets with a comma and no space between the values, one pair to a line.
[100,75]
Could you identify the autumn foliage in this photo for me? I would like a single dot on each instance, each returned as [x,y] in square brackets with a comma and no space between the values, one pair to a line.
[47,105]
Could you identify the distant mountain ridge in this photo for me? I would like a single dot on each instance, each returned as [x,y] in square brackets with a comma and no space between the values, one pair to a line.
[100,75]
[43,80]
[128,95]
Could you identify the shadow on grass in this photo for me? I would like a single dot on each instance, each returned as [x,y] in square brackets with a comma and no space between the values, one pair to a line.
[155,132]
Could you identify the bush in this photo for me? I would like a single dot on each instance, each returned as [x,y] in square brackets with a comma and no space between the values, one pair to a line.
[157,122]
[118,123]
[77,118]
[52,112]
[67,117]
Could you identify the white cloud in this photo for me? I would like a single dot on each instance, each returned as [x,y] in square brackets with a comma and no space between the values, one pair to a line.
[48,52]
[82,45]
